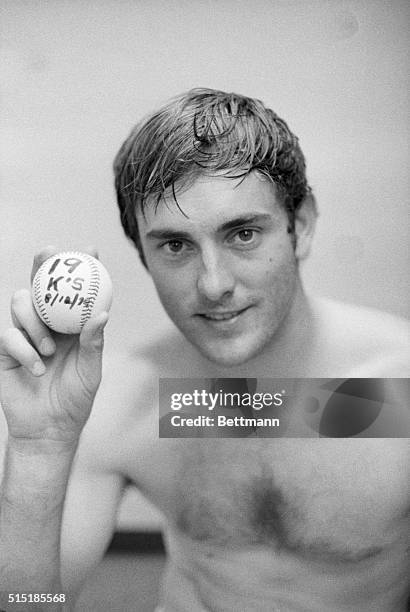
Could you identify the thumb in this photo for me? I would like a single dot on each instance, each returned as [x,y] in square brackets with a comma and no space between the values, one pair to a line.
[90,350]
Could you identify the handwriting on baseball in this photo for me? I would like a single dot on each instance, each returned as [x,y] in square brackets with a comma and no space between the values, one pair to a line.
[56,283]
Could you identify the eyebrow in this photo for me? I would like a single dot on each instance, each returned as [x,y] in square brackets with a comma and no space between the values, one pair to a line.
[244,220]
[170,233]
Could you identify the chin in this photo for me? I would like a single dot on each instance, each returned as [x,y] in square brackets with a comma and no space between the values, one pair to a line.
[227,361]
[230,358]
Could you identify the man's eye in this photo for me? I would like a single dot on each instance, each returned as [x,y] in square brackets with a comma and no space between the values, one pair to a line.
[245,235]
[174,246]
[246,238]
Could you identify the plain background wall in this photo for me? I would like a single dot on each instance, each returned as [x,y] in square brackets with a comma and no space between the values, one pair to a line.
[77,75]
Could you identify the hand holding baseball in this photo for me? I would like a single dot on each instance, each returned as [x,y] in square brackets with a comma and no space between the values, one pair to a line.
[48,380]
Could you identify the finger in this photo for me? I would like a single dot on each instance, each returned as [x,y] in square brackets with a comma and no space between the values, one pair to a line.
[15,350]
[26,319]
[90,350]
[91,250]
[41,257]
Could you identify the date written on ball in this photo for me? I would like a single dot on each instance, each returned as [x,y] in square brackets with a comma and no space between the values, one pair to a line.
[68,289]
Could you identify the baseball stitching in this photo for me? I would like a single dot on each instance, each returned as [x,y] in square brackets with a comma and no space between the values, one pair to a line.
[39,302]
[92,293]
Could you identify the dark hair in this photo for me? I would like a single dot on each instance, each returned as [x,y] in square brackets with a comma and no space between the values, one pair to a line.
[206,131]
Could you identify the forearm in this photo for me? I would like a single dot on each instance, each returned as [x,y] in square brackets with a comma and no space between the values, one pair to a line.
[31,508]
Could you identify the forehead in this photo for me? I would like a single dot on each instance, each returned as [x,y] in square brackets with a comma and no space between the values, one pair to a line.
[211,201]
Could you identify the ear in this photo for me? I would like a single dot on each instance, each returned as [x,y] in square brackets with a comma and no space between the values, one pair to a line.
[305,223]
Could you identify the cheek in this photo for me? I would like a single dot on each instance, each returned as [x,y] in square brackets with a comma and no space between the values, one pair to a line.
[279,278]
[172,288]
[276,268]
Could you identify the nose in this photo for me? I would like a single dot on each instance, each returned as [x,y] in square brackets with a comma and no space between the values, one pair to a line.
[215,279]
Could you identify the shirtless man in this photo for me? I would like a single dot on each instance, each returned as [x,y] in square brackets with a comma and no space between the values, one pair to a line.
[212,190]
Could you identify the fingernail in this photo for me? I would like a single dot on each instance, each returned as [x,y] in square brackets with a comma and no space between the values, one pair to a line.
[38,368]
[47,346]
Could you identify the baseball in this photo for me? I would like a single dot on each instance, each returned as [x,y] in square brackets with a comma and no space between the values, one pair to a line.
[68,289]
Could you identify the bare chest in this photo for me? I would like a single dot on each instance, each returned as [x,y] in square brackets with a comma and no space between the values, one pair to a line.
[343,498]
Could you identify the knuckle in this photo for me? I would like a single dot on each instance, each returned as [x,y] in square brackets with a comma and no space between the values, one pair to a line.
[20,298]
[92,250]
[41,256]
[45,253]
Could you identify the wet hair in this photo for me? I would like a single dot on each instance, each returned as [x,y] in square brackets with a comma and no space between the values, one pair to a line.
[205,131]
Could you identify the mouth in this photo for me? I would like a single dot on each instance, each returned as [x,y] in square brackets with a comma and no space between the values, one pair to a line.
[223,317]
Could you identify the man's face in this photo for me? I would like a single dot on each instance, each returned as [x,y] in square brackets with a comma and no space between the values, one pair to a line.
[225,269]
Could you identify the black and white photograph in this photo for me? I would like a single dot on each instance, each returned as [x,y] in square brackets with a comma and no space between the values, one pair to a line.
[204,315]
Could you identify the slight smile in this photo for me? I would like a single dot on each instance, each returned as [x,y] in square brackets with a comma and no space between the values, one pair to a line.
[222,316]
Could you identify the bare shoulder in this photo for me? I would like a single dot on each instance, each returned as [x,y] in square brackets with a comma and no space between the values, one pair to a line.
[376,343]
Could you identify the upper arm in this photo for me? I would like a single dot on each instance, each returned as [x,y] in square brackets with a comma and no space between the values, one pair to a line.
[94,491]
[89,520]
[98,475]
